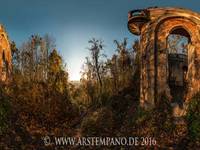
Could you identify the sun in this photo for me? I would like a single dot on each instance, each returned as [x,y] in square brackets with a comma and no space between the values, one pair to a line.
[74,74]
[74,69]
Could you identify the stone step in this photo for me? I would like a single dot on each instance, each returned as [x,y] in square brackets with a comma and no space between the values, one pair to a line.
[178,111]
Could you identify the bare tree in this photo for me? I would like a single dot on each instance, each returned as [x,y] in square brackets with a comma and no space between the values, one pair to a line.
[33,57]
[95,49]
[124,60]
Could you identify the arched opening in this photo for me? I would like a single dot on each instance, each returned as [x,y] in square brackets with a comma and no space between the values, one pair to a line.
[177,46]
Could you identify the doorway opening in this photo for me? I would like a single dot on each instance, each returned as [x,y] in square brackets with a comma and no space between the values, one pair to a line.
[177,46]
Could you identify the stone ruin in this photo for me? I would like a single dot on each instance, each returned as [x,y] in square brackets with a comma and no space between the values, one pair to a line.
[5,56]
[174,73]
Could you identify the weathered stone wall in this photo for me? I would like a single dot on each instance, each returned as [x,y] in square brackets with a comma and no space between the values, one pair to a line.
[154,56]
[147,66]
[192,78]
[5,56]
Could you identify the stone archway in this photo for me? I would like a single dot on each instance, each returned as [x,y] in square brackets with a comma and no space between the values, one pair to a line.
[154,26]
[165,29]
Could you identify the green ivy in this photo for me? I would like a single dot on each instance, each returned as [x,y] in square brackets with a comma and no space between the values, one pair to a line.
[193,117]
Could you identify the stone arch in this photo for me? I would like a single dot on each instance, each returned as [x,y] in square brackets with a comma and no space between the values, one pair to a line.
[164,30]
[162,27]
[185,32]
[155,24]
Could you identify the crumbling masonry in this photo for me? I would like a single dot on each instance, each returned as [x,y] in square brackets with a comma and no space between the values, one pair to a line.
[175,74]
[5,56]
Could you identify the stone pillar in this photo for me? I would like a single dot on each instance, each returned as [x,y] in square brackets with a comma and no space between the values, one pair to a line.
[5,56]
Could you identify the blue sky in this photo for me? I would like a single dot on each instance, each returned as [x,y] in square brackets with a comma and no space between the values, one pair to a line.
[73,22]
